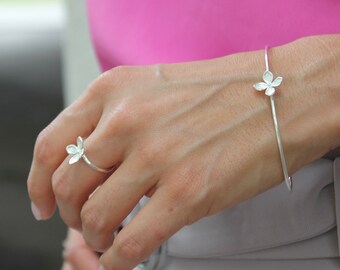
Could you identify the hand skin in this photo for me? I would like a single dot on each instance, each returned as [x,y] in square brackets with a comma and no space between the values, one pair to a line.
[194,137]
[77,254]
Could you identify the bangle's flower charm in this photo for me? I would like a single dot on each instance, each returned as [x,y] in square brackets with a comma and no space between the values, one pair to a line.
[76,151]
[268,83]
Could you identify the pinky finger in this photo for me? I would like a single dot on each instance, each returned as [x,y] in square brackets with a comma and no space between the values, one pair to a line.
[83,259]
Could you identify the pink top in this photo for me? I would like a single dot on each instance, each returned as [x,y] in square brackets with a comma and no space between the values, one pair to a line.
[139,32]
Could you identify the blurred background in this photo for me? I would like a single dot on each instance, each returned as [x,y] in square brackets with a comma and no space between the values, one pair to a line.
[46,61]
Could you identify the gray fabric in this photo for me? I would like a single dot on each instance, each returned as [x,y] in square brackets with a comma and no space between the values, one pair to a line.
[276,230]
[199,264]
[272,219]
[322,246]
[336,171]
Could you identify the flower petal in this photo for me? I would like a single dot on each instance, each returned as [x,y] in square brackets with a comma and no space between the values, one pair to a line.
[71,149]
[260,86]
[80,142]
[270,91]
[277,81]
[268,77]
[75,158]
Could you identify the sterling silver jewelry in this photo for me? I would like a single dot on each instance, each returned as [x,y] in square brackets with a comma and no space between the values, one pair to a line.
[269,85]
[77,151]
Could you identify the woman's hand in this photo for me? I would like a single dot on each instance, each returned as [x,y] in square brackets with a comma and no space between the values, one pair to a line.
[77,254]
[194,137]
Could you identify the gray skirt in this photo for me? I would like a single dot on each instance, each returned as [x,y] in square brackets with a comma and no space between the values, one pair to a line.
[275,230]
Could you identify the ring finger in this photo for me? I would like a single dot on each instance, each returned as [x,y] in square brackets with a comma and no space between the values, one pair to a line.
[73,184]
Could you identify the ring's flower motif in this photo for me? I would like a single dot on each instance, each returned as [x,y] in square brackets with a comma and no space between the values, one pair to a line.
[75,151]
[268,83]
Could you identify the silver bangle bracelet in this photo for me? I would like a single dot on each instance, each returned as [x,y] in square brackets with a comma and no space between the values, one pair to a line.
[269,85]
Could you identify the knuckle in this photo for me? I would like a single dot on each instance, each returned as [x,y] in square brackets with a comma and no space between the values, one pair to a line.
[151,154]
[97,89]
[113,79]
[92,220]
[123,113]
[72,221]
[109,79]
[130,248]
[123,74]
[186,184]
[36,191]
[126,74]
[178,194]
[121,71]
[189,192]
[60,186]
[103,85]
[43,146]
[125,117]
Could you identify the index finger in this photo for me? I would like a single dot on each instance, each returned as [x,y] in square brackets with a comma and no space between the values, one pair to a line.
[77,254]
[77,120]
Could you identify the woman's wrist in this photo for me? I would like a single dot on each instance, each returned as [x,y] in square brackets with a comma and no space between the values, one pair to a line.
[309,97]
[306,101]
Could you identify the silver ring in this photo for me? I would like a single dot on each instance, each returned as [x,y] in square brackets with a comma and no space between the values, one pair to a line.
[77,151]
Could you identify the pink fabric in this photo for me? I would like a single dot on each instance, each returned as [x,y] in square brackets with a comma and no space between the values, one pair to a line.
[139,32]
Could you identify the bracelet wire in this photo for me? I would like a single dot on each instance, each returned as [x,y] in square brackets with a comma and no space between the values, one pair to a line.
[288,179]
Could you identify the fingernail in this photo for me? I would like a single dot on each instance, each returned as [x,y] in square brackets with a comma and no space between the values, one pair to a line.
[36,212]
[101,267]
